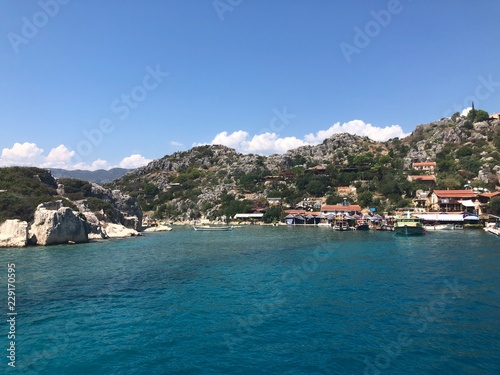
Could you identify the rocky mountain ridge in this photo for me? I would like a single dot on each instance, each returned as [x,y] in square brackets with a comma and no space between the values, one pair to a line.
[193,183]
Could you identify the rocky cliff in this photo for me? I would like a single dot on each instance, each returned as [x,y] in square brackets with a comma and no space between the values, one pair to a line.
[56,224]
[14,233]
[35,209]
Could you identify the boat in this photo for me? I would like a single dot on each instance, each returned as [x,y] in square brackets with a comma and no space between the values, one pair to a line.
[207,228]
[341,225]
[493,229]
[439,227]
[409,226]
[362,225]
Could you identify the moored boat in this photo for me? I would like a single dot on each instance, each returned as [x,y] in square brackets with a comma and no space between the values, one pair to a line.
[362,225]
[341,225]
[409,226]
[202,228]
[439,227]
[493,229]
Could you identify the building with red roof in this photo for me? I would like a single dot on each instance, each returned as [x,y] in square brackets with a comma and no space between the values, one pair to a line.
[337,209]
[427,179]
[452,200]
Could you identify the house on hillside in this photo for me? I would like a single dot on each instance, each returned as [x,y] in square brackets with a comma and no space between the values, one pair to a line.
[454,201]
[317,170]
[426,179]
[484,199]
[425,166]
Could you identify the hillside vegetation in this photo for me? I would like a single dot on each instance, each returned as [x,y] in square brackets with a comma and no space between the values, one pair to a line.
[22,189]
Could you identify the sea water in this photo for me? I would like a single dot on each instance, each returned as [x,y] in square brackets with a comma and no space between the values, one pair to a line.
[257,300]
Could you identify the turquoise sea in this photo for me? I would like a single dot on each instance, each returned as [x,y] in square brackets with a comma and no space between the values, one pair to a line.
[257,300]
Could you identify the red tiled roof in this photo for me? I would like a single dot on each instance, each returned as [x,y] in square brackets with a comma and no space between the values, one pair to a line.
[302,212]
[295,212]
[423,178]
[339,207]
[425,164]
[489,195]
[455,193]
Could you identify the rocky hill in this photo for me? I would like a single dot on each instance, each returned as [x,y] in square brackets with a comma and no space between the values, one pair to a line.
[211,181]
[37,209]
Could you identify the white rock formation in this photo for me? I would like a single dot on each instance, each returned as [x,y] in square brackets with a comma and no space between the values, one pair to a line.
[159,228]
[119,231]
[55,224]
[14,233]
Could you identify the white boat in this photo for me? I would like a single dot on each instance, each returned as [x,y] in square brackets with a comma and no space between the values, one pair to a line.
[202,228]
[493,229]
[439,227]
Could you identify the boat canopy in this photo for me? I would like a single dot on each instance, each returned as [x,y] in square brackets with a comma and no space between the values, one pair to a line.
[442,217]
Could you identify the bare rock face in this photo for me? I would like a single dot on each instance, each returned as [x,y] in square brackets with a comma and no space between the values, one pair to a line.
[127,208]
[14,233]
[94,226]
[119,231]
[56,224]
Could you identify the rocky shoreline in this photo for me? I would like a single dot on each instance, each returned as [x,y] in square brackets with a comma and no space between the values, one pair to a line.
[56,224]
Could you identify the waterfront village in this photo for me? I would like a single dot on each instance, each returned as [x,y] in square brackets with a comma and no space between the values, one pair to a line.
[434,209]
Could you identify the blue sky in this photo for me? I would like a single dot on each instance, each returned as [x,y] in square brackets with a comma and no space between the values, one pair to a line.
[96,84]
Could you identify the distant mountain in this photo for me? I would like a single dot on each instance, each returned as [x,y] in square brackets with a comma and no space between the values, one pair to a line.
[99,176]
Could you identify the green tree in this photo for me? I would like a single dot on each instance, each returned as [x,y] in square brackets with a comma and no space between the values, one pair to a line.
[273,214]
[494,205]
[365,198]
[481,115]
[151,190]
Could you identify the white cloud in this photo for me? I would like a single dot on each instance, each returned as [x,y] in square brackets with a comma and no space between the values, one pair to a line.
[29,154]
[59,157]
[176,144]
[134,161]
[358,127]
[466,111]
[271,143]
[21,154]
[232,140]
